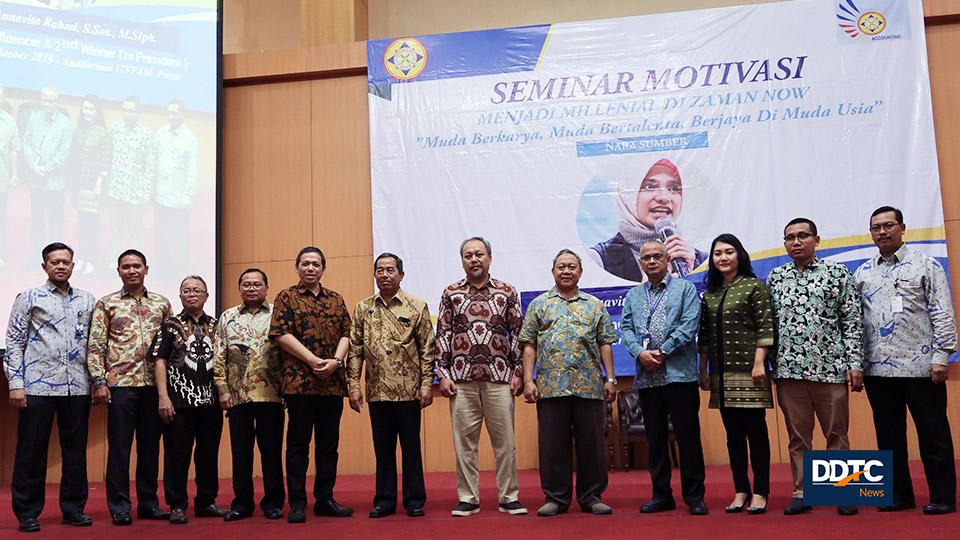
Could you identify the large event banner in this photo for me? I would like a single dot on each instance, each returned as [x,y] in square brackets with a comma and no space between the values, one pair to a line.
[600,135]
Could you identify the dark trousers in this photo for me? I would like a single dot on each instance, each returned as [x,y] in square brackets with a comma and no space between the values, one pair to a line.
[889,398]
[748,427]
[46,211]
[132,410]
[583,420]
[200,425]
[30,463]
[389,421]
[261,423]
[319,416]
[680,402]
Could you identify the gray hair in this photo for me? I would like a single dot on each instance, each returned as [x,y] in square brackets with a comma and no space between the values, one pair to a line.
[196,277]
[566,251]
[486,244]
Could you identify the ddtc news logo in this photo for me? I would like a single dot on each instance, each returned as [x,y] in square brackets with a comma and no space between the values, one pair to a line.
[848,477]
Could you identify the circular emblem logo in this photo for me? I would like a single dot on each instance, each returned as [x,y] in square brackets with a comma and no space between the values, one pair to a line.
[872,23]
[405,59]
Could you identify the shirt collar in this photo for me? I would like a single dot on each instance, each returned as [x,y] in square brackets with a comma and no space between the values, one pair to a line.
[124,292]
[464,284]
[185,317]
[898,256]
[555,292]
[400,298]
[265,306]
[812,265]
[302,289]
[663,284]
[52,287]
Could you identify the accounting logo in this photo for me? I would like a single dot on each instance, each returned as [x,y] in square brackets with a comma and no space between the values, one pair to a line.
[854,22]
[847,477]
[405,59]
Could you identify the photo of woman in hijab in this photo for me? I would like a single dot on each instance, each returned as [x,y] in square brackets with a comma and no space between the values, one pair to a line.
[645,212]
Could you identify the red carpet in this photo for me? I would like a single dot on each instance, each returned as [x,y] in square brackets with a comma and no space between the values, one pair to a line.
[626,492]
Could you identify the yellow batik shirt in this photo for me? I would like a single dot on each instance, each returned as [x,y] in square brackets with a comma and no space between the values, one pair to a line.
[246,363]
[395,340]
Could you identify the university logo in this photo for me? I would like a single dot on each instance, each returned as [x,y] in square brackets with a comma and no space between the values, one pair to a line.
[854,22]
[405,59]
[848,477]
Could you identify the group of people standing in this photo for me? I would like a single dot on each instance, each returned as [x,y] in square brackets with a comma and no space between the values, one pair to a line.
[168,374]
[121,168]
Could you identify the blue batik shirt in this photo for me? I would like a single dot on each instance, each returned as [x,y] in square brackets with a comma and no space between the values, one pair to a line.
[47,341]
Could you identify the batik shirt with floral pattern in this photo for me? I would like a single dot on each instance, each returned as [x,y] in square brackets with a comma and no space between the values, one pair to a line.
[568,335]
[123,327]
[318,322]
[819,321]
[246,362]
[187,346]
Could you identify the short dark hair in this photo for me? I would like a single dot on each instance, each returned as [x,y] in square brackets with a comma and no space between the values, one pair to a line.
[56,246]
[566,251]
[196,277]
[714,278]
[249,270]
[387,255]
[486,244]
[885,209]
[798,220]
[312,249]
[135,253]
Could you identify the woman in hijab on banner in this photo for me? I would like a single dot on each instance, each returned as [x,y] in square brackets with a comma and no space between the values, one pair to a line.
[648,211]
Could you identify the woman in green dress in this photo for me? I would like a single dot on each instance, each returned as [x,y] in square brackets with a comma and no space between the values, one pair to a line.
[736,329]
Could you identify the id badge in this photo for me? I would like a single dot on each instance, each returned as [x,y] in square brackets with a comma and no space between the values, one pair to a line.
[645,340]
[896,304]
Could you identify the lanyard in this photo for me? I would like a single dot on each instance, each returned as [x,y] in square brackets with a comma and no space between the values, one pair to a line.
[652,307]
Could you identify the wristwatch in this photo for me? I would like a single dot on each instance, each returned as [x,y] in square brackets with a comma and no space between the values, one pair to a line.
[612,380]
[340,362]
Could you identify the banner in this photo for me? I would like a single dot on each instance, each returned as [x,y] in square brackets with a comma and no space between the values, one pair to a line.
[597,136]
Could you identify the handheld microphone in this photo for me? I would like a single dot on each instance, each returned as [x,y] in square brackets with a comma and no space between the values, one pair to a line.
[666,228]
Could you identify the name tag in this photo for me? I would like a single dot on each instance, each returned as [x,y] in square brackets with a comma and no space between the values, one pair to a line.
[896,304]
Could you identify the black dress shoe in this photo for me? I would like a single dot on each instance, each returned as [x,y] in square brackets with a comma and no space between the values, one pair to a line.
[152,513]
[698,508]
[939,509]
[381,511]
[415,512]
[847,510]
[210,510]
[77,520]
[657,505]
[273,513]
[178,516]
[29,525]
[796,507]
[121,518]
[296,515]
[233,515]
[331,508]
[897,507]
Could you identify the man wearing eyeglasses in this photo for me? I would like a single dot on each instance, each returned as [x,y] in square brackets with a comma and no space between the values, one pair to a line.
[819,349]
[909,334]
[246,372]
[188,405]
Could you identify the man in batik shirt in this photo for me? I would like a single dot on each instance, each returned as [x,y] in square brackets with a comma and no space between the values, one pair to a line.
[118,358]
[392,334]
[176,179]
[246,372]
[312,327]
[187,404]
[131,175]
[46,146]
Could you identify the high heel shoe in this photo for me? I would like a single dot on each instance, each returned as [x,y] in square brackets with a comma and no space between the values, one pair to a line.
[755,510]
[737,508]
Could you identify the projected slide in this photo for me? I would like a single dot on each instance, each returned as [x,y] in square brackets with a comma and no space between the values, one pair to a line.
[108,113]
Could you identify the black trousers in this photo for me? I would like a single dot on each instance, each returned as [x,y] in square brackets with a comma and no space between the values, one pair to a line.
[889,398]
[203,426]
[748,428]
[318,416]
[30,463]
[133,411]
[680,402]
[389,421]
[582,420]
[261,423]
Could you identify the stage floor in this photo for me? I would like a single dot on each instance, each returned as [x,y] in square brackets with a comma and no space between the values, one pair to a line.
[627,490]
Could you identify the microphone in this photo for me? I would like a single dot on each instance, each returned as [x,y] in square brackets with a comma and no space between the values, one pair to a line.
[666,228]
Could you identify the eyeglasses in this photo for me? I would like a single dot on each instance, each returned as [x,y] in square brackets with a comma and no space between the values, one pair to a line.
[790,238]
[652,257]
[885,227]
[251,286]
[194,292]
